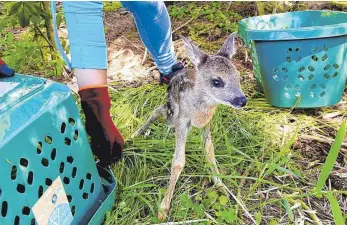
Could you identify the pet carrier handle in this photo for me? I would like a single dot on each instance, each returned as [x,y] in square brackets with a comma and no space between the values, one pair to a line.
[5,70]
[56,36]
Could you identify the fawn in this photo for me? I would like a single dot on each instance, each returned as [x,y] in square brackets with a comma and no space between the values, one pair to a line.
[192,97]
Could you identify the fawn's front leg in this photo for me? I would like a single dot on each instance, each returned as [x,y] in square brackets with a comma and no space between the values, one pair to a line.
[158,112]
[209,151]
[178,161]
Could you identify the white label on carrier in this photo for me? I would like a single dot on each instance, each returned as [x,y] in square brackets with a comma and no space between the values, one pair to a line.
[53,207]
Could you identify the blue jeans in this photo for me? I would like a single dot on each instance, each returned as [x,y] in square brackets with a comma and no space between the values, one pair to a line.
[86,34]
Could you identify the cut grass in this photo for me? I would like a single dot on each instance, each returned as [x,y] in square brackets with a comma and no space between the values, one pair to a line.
[253,148]
[270,158]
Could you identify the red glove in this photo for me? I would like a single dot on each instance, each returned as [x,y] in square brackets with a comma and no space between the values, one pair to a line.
[106,140]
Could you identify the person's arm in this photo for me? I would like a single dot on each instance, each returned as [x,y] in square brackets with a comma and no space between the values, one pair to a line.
[88,50]
[154,26]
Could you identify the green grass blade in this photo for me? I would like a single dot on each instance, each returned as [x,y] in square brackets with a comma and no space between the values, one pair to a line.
[332,156]
[335,208]
[288,210]
[288,171]
[148,203]
[139,186]
[279,160]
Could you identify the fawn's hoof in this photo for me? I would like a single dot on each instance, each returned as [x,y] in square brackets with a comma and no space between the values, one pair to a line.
[164,210]
[162,216]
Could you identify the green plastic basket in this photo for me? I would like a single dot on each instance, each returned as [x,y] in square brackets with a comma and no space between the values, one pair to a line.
[299,58]
[41,138]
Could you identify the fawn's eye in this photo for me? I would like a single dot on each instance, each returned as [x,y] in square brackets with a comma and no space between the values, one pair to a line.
[217,82]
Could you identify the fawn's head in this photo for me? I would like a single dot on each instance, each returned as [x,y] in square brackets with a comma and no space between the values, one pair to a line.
[216,76]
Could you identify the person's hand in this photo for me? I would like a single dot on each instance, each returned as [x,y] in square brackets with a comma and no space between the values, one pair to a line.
[165,79]
[106,140]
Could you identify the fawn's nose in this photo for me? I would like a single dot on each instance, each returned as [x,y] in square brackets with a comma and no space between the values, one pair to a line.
[239,102]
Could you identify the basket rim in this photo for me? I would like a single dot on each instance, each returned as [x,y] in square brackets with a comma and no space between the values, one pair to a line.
[309,32]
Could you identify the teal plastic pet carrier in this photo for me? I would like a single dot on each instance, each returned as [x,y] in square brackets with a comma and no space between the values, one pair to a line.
[299,58]
[43,141]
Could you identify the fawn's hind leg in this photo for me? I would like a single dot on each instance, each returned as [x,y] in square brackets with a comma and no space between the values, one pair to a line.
[158,112]
[209,151]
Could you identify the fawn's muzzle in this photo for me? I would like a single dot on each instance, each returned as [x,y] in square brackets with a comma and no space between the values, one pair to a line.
[239,102]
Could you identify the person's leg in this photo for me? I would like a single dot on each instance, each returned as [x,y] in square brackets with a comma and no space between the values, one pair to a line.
[87,42]
[89,59]
[154,26]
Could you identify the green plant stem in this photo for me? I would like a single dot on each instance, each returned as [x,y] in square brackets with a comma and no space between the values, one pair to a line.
[303,204]
[298,196]
[184,222]
[48,24]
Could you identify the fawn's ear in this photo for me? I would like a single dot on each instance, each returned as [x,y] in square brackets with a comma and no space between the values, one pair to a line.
[228,49]
[195,54]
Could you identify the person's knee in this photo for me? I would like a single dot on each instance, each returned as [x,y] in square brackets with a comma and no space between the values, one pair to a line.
[150,8]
